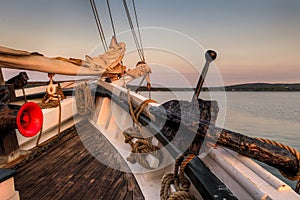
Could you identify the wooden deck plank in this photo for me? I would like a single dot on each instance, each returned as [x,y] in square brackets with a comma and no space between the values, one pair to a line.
[86,183]
[37,167]
[67,170]
[59,179]
[133,187]
[54,150]
[75,183]
[52,174]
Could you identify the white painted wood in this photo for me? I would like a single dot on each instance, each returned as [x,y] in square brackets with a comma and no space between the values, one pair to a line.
[245,178]
[219,171]
[7,190]
[40,89]
[104,113]
[264,174]
[50,123]
[148,180]
[32,90]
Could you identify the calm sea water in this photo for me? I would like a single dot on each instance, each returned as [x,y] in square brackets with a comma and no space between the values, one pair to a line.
[272,115]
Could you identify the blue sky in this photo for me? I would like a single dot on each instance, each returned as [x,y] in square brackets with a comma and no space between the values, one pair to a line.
[256,40]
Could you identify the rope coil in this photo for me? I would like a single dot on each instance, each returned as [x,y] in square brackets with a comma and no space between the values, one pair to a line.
[84,99]
[178,179]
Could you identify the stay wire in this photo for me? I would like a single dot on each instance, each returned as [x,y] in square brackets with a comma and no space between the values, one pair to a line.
[133,30]
[138,29]
[99,26]
[111,19]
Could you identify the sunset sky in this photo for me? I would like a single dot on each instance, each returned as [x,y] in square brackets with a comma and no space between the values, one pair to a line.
[256,40]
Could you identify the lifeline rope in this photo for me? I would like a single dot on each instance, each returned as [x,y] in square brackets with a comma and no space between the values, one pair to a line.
[24,94]
[50,104]
[178,179]
[39,137]
[294,152]
[142,146]
[59,116]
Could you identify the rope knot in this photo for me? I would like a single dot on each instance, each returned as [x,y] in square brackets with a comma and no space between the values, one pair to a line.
[141,146]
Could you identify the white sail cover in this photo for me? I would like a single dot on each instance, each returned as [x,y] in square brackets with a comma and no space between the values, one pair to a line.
[111,58]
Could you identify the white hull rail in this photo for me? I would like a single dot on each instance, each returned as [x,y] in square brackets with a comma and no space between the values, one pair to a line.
[206,183]
[222,174]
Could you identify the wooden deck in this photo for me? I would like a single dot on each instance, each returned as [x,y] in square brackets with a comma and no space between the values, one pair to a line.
[64,169]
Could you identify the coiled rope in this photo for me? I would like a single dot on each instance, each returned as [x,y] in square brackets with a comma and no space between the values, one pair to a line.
[178,179]
[294,152]
[142,146]
[84,99]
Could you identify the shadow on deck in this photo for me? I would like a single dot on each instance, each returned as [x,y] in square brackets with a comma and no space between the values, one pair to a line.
[64,169]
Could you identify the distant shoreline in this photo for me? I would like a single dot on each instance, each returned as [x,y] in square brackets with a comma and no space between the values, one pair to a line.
[247,87]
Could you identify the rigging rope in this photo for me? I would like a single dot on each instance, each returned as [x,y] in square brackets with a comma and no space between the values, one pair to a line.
[142,146]
[45,104]
[99,26]
[111,19]
[138,29]
[294,152]
[288,148]
[136,40]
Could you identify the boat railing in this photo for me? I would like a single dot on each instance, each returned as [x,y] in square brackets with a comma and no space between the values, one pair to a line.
[206,183]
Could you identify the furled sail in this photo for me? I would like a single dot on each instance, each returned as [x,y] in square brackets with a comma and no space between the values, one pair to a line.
[111,58]
[18,59]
